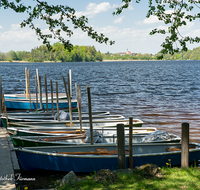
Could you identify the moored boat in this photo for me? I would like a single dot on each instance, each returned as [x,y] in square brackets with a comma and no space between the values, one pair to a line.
[91,158]
[41,118]
[60,131]
[81,139]
[24,104]
[76,123]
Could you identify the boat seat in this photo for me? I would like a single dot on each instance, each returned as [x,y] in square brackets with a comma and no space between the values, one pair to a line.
[176,149]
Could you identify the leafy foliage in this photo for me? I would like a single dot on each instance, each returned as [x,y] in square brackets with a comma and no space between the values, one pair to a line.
[46,12]
[175,14]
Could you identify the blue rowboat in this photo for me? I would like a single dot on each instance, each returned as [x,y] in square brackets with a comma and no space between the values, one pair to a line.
[33,96]
[24,104]
[91,158]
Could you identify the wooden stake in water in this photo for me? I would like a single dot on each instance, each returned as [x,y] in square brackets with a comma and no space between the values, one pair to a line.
[121,147]
[78,96]
[29,92]
[26,83]
[40,93]
[6,116]
[131,142]
[45,78]
[90,114]
[36,93]
[70,83]
[68,99]
[3,104]
[0,96]
[185,145]
[57,101]
[70,103]
[52,98]
[39,87]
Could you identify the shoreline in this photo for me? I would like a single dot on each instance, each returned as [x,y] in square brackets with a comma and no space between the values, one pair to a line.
[71,62]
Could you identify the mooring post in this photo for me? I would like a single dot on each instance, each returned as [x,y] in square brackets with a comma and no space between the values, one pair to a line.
[130,142]
[185,145]
[45,79]
[1,111]
[121,147]
[52,108]
[90,114]
[36,93]
[29,90]
[78,97]
[40,93]
[69,100]
[57,101]
[26,82]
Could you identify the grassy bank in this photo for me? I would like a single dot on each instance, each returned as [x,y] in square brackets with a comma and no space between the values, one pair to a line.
[168,179]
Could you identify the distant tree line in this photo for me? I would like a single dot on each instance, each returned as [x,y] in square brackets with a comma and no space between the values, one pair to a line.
[135,56]
[58,53]
[88,54]
[188,55]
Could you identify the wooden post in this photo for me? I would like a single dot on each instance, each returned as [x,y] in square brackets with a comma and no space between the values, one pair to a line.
[70,83]
[90,114]
[57,101]
[52,98]
[45,78]
[185,145]
[1,111]
[36,94]
[40,93]
[29,91]
[6,117]
[26,83]
[3,104]
[39,87]
[69,101]
[121,147]
[131,142]
[79,104]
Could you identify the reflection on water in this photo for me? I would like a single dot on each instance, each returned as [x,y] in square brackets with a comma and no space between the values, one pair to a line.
[163,94]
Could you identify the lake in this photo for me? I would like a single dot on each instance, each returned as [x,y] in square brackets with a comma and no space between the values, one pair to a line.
[163,94]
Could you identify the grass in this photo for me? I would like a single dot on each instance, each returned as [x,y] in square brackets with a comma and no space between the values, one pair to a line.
[170,179]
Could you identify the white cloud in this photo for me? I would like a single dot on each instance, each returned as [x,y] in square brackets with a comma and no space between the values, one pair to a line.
[92,9]
[1,27]
[119,20]
[151,20]
[15,27]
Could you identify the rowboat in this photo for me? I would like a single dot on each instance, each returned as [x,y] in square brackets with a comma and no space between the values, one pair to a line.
[33,96]
[91,158]
[60,131]
[81,139]
[24,104]
[76,123]
[49,113]
[40,118]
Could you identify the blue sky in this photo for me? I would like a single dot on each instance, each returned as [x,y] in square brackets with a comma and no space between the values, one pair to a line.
[130,30]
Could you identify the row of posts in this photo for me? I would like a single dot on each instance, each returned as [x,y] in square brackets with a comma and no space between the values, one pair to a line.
[121,145]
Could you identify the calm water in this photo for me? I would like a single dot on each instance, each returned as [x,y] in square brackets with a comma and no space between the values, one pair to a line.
[163,94]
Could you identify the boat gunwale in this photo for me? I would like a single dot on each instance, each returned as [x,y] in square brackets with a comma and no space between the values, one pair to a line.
[28,150]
